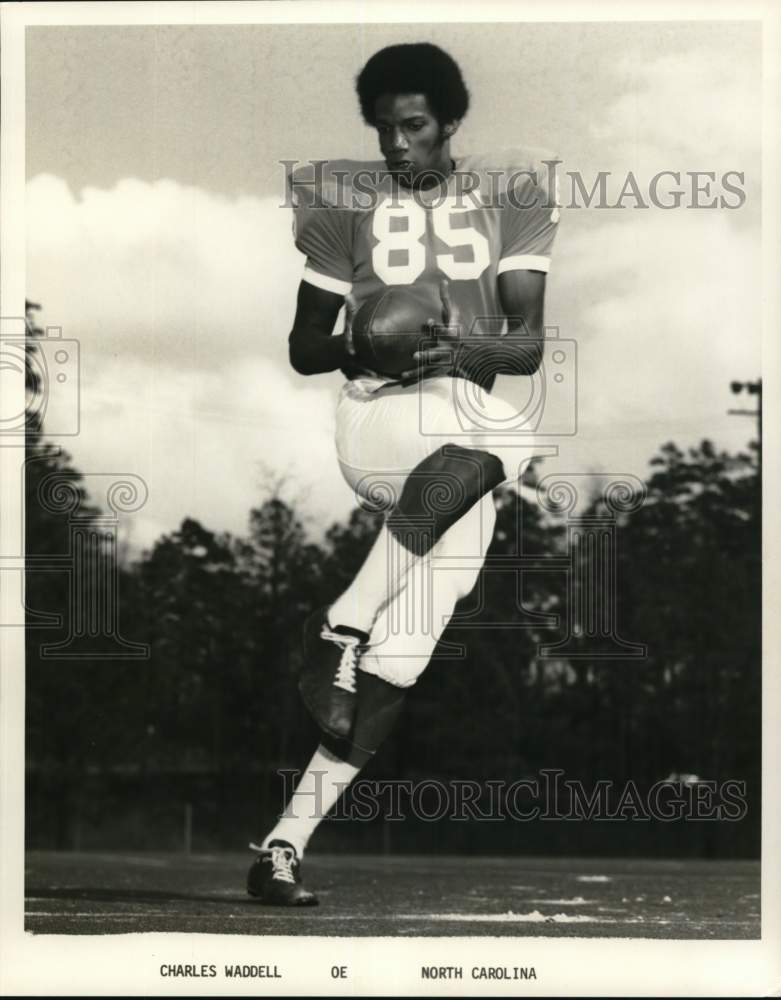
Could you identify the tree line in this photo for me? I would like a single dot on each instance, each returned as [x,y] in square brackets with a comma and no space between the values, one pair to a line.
[118,749]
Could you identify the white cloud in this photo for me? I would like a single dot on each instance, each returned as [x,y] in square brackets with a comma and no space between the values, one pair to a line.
[679,314]
[182,302]
[684,109]
[201,439]
[163,273]
[677,319]
[665,305]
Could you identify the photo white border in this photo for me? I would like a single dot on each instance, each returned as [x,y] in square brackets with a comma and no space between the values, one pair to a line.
[128,964]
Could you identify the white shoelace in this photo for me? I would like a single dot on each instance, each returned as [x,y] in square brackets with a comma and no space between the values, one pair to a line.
[281,859]
[345,672]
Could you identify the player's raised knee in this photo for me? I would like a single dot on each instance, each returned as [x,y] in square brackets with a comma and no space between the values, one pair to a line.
[439,491]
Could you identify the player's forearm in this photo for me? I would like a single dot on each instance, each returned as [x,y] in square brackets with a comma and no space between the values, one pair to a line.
[312,353]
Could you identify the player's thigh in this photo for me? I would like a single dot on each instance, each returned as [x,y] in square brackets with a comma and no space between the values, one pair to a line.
[382,435]
[467,415]
[379,438]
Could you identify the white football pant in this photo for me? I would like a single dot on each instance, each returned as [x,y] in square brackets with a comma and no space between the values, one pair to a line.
[382,434]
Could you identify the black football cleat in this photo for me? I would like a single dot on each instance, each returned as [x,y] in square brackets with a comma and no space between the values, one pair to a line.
[275,876]
[327,683]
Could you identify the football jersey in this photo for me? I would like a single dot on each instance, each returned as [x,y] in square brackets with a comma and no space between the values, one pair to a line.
[361,230]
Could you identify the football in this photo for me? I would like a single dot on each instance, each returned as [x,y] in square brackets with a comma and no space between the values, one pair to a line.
[388,327]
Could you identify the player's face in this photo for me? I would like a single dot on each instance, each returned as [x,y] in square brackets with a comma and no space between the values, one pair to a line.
[412,141]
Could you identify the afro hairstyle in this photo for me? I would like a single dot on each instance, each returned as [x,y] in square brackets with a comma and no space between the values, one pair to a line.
[417,68]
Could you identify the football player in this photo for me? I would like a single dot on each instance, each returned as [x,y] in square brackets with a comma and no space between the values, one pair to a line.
[477,232]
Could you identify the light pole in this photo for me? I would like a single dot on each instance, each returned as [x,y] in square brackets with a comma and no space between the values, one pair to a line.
[753,389]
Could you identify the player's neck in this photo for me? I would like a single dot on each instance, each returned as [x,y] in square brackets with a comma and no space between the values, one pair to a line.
[437,174]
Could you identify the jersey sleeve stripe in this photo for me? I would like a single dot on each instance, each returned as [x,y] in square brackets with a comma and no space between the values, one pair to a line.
[524,262]
[327,284]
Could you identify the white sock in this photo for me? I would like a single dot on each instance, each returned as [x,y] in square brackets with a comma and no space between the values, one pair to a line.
[378,581]
[320,786]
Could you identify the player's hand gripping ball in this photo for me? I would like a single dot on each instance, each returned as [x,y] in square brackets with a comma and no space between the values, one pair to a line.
[390,328]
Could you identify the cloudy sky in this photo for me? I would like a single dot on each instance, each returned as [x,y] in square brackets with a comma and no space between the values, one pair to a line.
[156,237]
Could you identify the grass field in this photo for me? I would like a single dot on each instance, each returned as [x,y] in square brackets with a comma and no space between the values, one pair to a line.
[71,893]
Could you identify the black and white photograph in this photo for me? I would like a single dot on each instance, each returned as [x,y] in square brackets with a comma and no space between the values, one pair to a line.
[385,601]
